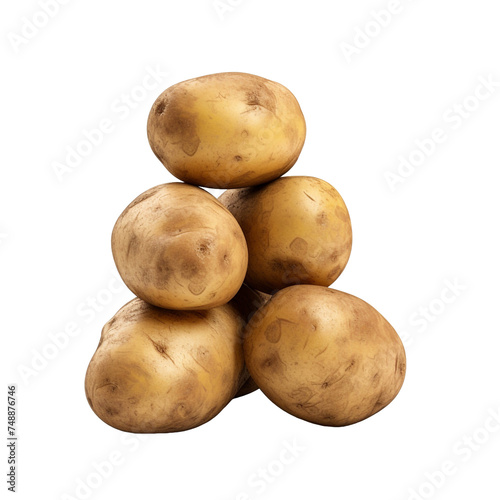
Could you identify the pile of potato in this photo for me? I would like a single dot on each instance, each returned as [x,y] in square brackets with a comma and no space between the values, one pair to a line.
[232,293]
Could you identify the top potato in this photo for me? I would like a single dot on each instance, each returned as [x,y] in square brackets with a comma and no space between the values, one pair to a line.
[227,130]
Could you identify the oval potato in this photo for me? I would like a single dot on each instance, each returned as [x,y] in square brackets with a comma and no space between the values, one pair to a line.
[324,356]
[157,370]
[177,247]
[297,229]
[227,130]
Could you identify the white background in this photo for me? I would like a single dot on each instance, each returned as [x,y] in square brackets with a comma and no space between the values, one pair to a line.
[436,230]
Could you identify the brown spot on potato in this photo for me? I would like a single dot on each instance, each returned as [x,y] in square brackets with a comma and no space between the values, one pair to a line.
[265,238]
[133,244]
[273,362]
[190,147]
[299,247]
[163,271]
[160,107]
[202,351]
[143,197]
[266,363]
[182,410]
[402,368]
[341,214]
[273,332]
[303,394]
[322,219]
[204,248]
[179,123]
[110,385]
[252,99]
[189,270]
[263,97]
[238,158]
[196,288]
[291,271]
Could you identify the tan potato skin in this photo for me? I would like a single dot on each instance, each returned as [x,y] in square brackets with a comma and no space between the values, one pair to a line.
[163,371]
[324,356]
[177,247]
[297,229]
[227,130]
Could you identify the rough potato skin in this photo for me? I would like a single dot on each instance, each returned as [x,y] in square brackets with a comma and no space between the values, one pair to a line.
[227,130]
[177,247]
[157,370]
[297,229]
[324,356]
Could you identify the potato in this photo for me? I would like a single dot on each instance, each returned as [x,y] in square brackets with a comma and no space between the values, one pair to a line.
[177,247]
[157,370]
[297,229]
[324,356]
[227,130]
